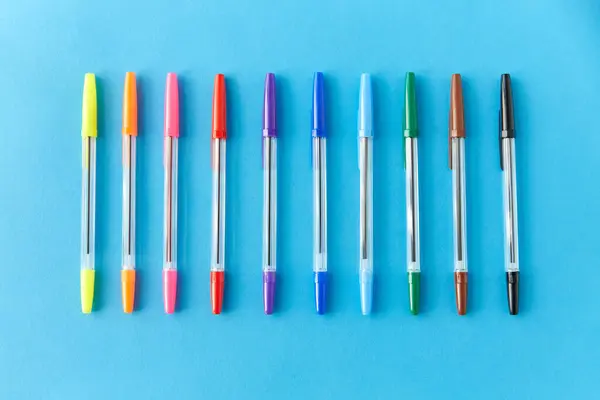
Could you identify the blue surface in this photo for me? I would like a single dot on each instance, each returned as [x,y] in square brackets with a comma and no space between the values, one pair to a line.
[49,350]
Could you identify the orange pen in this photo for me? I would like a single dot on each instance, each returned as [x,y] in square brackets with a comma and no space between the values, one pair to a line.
[130,132]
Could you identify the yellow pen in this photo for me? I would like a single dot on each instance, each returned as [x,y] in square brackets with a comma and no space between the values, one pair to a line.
[89,131]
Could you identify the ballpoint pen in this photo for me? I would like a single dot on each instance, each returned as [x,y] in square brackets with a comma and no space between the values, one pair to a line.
[508,165]
[89,132]
[219,136]
[130,132]
[269,194]
[319,156]
[411,166]
[170,218]
[365,166]
[456,149]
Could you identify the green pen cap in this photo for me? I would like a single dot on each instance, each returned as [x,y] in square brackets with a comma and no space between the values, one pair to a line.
[409,123]
[414,291]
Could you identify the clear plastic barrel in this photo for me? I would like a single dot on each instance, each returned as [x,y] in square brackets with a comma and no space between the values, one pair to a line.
[511,229]
[129,186]
[88,203]
[170,198]
[217,262]
[270,204]
[320,204]
[413,250]
[459,204]
[366,204]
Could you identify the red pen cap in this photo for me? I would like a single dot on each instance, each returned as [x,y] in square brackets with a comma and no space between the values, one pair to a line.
[219,115]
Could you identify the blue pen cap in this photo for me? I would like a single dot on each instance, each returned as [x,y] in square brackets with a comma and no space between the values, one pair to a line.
[365,107]
[318,106]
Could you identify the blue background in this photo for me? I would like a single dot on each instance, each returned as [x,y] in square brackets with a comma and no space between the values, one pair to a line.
[49,350]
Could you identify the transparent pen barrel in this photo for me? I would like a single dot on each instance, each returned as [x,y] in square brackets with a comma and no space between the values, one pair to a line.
[459,205]
[217,262]
[413,251]
[170,198]
[320,204]
[88,202]
[366,204]
[270,204]
[129,186]
[511,230]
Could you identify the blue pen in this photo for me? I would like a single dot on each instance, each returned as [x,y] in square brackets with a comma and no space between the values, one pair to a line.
[365,166]
[319,158]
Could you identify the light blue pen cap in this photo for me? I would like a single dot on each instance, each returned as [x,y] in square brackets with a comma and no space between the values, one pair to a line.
[366,291]
[365,107]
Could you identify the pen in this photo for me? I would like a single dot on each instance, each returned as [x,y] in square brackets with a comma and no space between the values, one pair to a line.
[365,166]
[456,140]
[269,194]
[509,172]
[89,132]
[219,136]
[130,132]
[170,221]
[411,166]
[319,156]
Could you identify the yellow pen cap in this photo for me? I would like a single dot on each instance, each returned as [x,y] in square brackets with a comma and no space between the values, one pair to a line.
[89,112]
[87,289]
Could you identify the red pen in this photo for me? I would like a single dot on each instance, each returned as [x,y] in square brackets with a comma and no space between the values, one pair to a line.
[219,136]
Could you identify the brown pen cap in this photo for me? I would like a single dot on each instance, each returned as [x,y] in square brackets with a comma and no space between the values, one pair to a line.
[460,288]
[456,125]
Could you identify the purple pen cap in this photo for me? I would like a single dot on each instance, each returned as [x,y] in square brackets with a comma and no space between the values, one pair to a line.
[270,108]
[269,291]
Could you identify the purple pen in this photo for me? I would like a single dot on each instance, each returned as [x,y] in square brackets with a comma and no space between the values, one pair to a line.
[269,194]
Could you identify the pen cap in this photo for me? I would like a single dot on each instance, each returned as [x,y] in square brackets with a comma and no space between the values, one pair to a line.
[318,106]
[457,113]
[219,109]
[172,106]
[270,108]
[507,116]
[365,107]
[410,107]
[89,113]
[130,126]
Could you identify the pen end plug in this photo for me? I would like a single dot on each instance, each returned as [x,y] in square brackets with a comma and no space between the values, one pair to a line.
[217,286]
[414,291]
[128,289]
[87,290]
[512,287]
[460,287]
[320,291]
[366,291]
[170,289]
[269,291]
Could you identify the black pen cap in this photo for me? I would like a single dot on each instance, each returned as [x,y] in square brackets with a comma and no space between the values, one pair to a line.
[507,115]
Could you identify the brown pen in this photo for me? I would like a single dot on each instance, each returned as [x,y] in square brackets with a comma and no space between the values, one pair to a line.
[456,150]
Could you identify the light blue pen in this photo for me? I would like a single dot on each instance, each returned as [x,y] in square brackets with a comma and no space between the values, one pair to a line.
[365,166]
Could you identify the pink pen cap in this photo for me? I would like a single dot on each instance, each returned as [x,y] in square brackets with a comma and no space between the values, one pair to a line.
[172,106]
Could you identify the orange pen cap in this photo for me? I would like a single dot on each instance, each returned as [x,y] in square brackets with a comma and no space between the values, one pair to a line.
[219,115]
[128,289]
[130,123]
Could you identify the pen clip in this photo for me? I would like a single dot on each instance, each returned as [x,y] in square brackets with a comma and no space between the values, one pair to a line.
[500,137]
[404,149]
[450,151]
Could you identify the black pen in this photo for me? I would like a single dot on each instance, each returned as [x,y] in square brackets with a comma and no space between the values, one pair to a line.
[509,178]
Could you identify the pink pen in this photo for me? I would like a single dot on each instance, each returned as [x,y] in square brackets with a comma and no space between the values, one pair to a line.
[170,163]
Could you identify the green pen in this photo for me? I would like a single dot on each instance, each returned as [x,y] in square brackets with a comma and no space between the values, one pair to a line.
[411,166]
